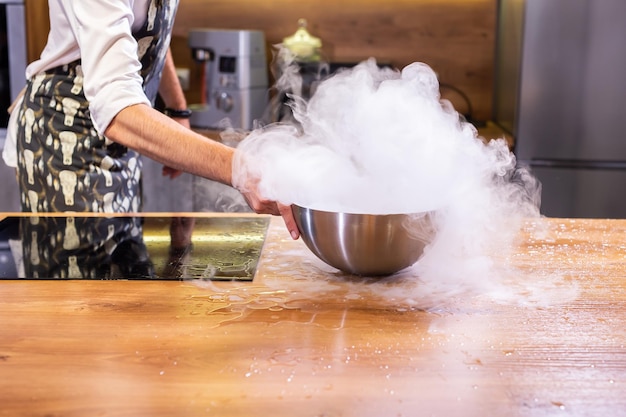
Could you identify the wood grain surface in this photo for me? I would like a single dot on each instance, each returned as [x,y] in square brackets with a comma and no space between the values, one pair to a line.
[303,340]
[455,37]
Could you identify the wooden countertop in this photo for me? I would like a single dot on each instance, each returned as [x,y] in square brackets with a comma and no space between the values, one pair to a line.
[302,340]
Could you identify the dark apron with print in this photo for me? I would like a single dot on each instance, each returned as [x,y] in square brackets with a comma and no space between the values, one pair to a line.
[65,165]
[84,248]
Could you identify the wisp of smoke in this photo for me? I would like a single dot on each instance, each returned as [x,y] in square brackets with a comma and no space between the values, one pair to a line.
[381,141]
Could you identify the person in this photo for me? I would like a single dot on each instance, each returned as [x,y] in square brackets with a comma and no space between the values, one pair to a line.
[87,113]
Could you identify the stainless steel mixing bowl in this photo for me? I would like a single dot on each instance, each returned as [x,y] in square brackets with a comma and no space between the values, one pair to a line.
[364,244]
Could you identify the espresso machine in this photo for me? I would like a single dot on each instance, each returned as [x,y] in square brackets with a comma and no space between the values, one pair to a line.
[234,78]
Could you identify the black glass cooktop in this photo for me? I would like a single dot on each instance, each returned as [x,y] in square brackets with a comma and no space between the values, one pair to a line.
[143,248]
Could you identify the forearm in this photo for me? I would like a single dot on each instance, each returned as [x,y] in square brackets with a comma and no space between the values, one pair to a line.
[169,89]
[158,137]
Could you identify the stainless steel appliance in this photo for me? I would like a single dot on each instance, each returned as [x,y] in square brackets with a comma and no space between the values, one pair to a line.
[560,90]
[235,77]
[12,57]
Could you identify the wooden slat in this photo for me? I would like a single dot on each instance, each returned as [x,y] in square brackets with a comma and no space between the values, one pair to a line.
[38,25]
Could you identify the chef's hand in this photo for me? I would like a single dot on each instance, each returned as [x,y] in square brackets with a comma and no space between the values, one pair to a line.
[173,172]
[263,206]
[290,221]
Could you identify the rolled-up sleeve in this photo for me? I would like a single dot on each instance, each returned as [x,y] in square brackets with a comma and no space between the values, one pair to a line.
[111,67]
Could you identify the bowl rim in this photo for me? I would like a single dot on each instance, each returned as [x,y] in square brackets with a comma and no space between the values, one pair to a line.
[349,213]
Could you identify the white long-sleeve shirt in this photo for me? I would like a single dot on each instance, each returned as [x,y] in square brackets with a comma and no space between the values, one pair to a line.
[99,32]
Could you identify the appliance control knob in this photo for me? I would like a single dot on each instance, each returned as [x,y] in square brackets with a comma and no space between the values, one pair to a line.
[224,102]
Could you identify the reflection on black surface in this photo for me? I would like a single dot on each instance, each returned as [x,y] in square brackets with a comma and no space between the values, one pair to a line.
[40,247]
[83,247]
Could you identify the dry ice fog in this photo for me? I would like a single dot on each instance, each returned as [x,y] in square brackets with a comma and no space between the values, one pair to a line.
[380,141]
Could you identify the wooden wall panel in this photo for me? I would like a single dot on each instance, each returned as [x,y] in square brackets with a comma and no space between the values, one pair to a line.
[38,25]
[455,37]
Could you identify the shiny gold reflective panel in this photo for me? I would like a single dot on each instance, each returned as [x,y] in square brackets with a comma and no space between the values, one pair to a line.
[122,247]
[222,248]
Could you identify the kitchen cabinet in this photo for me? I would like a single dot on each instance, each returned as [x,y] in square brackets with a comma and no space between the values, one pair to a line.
[164,194]
[9,192]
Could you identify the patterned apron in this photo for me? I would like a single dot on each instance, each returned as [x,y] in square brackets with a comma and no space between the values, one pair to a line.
[65,165]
